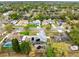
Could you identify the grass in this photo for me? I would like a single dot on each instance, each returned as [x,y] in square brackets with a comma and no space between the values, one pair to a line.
[24,33]
[30,26]
[1,38]
[33,32]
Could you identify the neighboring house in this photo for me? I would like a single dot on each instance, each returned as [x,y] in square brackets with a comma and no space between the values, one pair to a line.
[74,47]
[25,17]
[61,27]
[11,36]
[7,13]
[14,22]
[5,21]
[74,21]
[22,22]
[60,22]
[61,37]
[37,22]
[20,29]
[46,22]
[58,28]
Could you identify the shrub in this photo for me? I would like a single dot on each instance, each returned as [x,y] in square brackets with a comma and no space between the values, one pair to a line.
[25,47]
[8,27]
[15,16]
[15,45]
[74,35]
[50,52]
[61,49]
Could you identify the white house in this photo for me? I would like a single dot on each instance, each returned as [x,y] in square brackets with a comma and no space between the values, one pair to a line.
[14,22]
[37,22]
[22,22]
[74,47]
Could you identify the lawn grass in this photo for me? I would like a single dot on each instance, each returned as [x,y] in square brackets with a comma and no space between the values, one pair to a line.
[1,38]
[24,33]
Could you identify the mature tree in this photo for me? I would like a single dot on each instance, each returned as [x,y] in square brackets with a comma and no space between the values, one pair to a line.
[39,16]
[50,52]
[25,47]
[74,35]
[15,16]
[15,45]
[8,27]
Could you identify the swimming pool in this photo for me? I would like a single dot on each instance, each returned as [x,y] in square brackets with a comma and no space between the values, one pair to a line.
[7,44]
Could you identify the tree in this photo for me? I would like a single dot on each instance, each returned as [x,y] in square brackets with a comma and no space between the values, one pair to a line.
[60,49]
[48,27]
[74,35]
[15,45]
[25,47]
[50,52]
[39,16]
[15,16]
[8,27]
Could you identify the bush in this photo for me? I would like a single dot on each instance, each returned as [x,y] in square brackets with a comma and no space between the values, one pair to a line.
[74,35]
[25,47]
[61,49]
[30,26]
[48,27]
[50,52]
[8,27]
[15,16]
[15,45]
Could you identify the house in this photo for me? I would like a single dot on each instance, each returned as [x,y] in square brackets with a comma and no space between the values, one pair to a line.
[61,37]
[42,35]
[37,22]
[22,22]
[39,41]
[19,29]
[25,17]
[14,22]
[59,29]
[60,22]
[45,22]
[75,21]
[7,13]
[74,47]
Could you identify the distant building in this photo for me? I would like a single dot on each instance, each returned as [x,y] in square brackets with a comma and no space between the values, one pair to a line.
[14,22]
[46,22]
[7,13]
[22,22]
[61,37]
[25,17]
[37,22]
